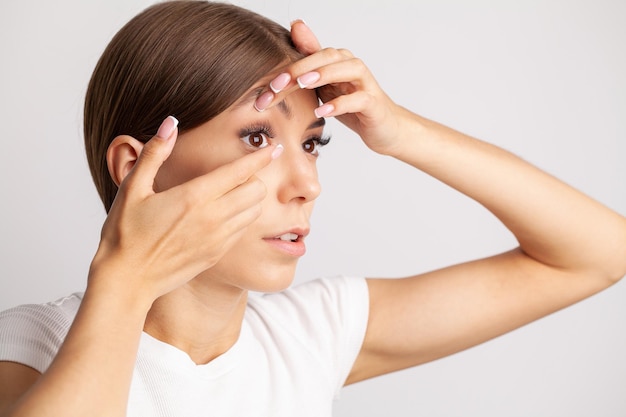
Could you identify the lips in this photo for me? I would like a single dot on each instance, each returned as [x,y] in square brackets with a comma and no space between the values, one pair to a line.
[289,243]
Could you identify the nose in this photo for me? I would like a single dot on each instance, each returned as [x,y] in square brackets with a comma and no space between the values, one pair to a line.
[299,180]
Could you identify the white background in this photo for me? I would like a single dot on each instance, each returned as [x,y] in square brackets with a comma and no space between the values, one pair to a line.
[544,79]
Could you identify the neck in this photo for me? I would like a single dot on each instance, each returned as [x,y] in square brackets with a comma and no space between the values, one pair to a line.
[203,320]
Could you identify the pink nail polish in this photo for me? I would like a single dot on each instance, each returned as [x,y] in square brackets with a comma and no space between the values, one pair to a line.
[277,151]
[307,79]
[280,82]
[324,110]
[167,127]
[263,101]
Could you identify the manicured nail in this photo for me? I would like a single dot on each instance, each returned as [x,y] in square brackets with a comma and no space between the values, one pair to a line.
[167,127]
[323,110]
[280,82]
[293,22]
[307,79]
[263,101]
[277,151]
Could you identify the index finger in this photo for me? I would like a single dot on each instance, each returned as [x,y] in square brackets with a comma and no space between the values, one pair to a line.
[231,175]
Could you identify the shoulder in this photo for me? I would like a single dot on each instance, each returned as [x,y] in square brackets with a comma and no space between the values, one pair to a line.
[52,313]
[330,297]
[316,327]
[31,334]
[327,316]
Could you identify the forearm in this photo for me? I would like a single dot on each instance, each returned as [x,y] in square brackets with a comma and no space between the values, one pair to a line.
[92,371]
[554,223]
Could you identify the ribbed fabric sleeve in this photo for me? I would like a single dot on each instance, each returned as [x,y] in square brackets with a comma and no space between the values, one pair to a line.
[32,334]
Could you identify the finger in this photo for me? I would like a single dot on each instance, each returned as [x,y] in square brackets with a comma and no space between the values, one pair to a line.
[228,218]
[153,154]
[225,231]
[345,76]
[303,38]
[240,198]
[319,59]
[237,224]
[231,232]
[229,176]
[357,102]
[300,74]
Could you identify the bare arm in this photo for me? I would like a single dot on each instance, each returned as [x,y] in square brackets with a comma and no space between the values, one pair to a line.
[570,246]
[15,380]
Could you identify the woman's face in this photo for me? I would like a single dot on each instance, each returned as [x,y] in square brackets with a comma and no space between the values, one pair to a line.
[260,260]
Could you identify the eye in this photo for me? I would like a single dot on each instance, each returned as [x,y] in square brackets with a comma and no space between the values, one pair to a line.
[256,139]
[313,145]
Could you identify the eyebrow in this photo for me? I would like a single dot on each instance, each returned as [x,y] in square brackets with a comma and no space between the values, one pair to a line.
[321,122]
[284,108]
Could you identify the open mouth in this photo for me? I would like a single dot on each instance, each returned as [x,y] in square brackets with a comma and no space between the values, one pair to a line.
[288,237]
[290,243]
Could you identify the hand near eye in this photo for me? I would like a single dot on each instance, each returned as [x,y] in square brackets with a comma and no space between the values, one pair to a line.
[157,241]
[346,88]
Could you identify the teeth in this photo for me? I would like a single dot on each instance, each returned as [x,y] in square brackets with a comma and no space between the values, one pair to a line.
[289,236]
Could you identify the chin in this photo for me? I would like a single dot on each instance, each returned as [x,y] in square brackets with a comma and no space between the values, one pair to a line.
[268,272]
[272,279]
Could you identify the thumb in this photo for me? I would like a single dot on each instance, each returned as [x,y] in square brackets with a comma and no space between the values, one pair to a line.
[153,154]
[303,38]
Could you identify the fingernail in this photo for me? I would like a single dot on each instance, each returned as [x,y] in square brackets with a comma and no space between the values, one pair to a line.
[323,110]
[263,101]
[293,22]
[280,82]
[307,79]
[277,151]
[167,127]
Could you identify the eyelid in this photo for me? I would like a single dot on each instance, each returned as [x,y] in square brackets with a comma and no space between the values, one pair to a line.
[322,140]
[260,127]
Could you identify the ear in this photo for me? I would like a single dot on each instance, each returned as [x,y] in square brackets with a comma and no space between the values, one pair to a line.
[121,156]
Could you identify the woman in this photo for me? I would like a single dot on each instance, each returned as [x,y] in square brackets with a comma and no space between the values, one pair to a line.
[198,218]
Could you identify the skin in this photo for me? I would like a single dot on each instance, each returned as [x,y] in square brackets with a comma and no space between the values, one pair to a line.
[201,293]
[254,263]
[225,201]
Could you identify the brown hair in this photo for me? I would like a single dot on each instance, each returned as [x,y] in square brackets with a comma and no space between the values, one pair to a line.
[190,59]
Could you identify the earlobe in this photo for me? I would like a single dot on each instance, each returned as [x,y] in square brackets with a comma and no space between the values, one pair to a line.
[121,156]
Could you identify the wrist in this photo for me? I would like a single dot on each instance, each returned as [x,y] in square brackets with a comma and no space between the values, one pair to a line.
[412,130]
[109,281]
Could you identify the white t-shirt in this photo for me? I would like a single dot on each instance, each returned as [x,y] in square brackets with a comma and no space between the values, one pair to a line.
[294,353]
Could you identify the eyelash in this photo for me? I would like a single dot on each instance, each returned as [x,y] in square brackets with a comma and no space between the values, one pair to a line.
[266,130]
